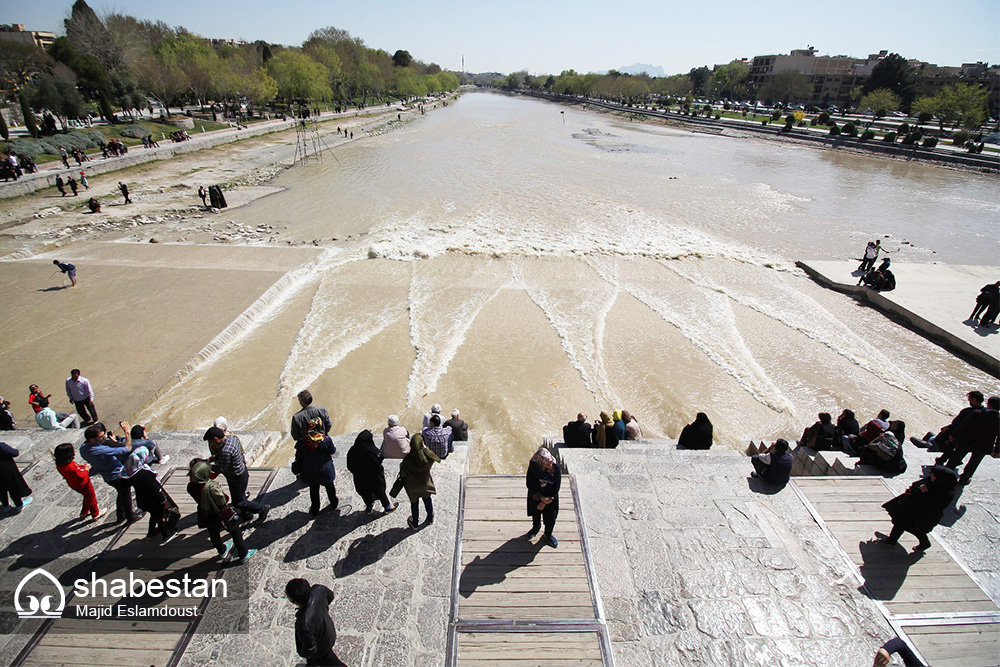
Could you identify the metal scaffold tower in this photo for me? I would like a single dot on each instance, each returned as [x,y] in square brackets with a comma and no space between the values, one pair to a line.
[308,145]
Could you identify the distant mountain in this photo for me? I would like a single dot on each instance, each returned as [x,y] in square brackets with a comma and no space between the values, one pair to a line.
[639,68]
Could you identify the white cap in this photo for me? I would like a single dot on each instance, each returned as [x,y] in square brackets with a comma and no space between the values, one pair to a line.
[221,422]
[393,420]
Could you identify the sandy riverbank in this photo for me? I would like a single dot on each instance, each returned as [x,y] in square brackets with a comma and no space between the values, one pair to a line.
[158,280]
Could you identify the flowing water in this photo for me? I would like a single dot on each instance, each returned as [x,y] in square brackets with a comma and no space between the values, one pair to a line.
[524,261]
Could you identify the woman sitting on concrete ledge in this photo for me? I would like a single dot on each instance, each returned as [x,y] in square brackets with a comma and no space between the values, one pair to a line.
[697,434]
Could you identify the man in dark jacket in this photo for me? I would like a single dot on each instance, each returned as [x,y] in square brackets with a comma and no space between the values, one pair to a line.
[459,429]
[308,413]
[978,434]
[577,434]
[314,631]
[942,442]
[774,464]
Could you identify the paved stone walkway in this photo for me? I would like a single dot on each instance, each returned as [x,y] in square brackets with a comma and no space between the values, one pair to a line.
[696,565]
[392,586]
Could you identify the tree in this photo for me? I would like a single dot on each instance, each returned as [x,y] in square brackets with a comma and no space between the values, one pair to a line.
[895,74]
[965,103]
[56,95]
[18,61]
[4,132]
[730,80]
[787,86]
[402,58]
[29,117]
[881,102]
[699,77]
[406,84]
[298,76]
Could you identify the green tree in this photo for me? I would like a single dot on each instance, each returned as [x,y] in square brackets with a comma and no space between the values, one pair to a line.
[260,87]
[961,103]
[298,76]
[731,80]
[19,61]
[406,84]
[897,75]
[29,116]
[402,58]
[699,77]
[56,95]
[881,101]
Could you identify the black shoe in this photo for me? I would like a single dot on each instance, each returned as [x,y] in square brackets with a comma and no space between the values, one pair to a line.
[313,511]
[922,546]
[430,519]
[411,523]
[334,503]
[136,517]
[262,515]
[531,533]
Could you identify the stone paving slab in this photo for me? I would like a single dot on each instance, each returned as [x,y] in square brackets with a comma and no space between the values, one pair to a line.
[695,567]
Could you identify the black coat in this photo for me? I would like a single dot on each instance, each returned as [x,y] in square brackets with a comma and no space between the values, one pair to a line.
[10,476]
[542,484]
[314,631]
[697,434]
[364,460]
[316,463]
[919,511]
[577,434]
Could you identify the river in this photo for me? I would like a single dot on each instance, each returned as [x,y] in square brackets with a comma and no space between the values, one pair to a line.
[523,261]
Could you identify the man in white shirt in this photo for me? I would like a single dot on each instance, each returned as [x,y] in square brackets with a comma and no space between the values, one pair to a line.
[50,421]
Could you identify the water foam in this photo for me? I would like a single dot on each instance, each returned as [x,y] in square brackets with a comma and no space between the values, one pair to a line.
[442,308]
[578,317]
[775,299]
[705,317]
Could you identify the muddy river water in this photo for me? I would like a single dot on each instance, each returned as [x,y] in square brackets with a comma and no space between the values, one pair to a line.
[524,261]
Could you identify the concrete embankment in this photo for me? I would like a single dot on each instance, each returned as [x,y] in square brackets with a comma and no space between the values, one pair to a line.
[979,162]
[934,300]
[46,176]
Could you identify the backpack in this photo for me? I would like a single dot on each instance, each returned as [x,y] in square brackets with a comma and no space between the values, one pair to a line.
[885,447]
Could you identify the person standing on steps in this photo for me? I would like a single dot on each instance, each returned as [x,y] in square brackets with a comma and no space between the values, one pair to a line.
[543,480]
[415,477]
[228,459]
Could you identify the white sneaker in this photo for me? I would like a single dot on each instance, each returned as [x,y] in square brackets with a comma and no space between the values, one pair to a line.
[165,459]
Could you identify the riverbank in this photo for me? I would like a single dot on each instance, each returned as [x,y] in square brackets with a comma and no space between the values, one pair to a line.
[986,163]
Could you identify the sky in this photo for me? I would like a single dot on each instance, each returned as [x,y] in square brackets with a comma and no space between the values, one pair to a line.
[549,36]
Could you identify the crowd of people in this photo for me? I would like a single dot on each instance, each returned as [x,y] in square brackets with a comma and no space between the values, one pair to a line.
[606,431]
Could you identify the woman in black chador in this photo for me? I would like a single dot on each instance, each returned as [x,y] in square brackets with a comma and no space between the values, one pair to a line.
[364,460]
[921,507]
[543,480]
[697,434]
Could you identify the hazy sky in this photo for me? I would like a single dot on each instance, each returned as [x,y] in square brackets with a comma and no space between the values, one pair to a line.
[550,36]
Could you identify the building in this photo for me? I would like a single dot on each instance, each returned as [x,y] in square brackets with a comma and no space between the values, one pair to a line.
[15,32]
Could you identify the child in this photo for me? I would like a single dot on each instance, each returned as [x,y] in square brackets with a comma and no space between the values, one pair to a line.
[78,478]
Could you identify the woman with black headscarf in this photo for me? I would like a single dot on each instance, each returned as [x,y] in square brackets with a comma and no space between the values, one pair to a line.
[921,507]
[364,460]
[697,434]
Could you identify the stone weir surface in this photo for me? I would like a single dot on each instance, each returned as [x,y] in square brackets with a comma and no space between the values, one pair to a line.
[697,563]
[693,562]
